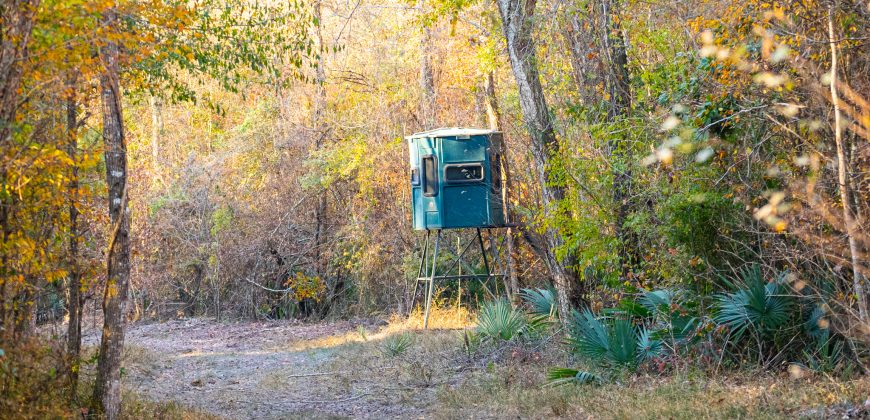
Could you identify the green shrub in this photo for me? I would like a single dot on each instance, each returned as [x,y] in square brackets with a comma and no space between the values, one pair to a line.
[759,307]
[499,321]
[541,301]
[611,342]
[397,344]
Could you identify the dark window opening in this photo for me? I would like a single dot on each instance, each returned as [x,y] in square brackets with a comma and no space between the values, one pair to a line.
[496,173]
[430,176]
[415,176]
[463,173]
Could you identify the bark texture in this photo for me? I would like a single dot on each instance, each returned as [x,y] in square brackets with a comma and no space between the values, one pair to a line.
[16,26]
[517,17]
[842,176]
[107,387]
[619,92]
[74,326]
[320,133]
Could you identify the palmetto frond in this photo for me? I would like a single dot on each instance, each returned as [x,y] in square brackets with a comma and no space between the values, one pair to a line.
[756,304]
[541,301]
[562,376]
[498,320]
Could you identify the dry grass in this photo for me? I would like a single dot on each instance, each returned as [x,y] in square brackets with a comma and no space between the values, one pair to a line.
[347,372]
[440,318]
[135,407]
[437,378]
[514,391]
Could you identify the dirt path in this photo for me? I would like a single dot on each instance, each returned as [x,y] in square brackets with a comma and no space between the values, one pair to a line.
[252,370]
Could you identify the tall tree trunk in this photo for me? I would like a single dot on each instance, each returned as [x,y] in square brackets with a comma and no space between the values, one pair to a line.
[842,168]
[16,26]
[74,326]
[320,132]
[516,16]
[107,387]
[493,116]
[428,103]
[619,91]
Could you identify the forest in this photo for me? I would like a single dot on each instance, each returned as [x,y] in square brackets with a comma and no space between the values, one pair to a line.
[207,209]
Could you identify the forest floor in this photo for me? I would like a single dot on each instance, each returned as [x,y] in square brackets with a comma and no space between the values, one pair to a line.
[291,369]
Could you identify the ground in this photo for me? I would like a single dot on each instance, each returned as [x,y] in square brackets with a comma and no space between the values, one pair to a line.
[375,369]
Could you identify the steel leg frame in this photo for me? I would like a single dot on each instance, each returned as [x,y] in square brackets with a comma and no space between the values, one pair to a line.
[419,272]
[429,275]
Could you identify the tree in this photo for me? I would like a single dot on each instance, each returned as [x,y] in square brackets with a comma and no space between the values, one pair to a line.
[619,91]
[74,285]
[107,387]
[428,103]
[843,167]
[16,26]
[517,17]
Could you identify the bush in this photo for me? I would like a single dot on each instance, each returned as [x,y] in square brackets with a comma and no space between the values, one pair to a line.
[611,342]
[397,344]
[499,321]
[33,383]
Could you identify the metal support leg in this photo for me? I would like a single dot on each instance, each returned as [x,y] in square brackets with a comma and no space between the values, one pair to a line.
[485,264]
[497,262]
[420,271]
[431,281]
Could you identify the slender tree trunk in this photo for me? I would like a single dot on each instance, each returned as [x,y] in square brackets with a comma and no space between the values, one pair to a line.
[107,387]
[493,116]
[516,16]
[428,103]
[619,90]
[16,26]
[586,63]
[842,176]
[74,326]
[320,132]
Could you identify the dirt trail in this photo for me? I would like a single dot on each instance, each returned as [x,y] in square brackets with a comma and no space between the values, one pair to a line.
[250,370]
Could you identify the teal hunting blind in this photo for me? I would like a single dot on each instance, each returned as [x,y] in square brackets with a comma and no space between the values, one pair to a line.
[456,177]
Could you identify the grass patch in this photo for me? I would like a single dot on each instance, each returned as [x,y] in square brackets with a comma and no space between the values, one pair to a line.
[135,407]
[516,390]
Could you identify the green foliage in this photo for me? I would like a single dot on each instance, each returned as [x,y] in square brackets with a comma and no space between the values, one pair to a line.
[397,344]
[470,342]
[271,41]
[673,315]
[499,321]
[611,342]
[825,351]
[755,306]
[221,219]
[541,301]
[696,217]
[563,376]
